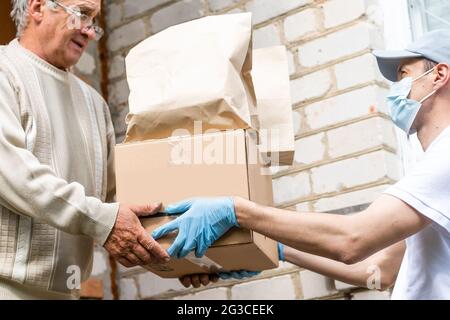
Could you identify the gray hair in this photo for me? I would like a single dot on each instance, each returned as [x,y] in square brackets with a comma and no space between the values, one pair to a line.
[19,14]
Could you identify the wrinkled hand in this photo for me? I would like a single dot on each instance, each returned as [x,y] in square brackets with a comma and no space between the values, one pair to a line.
[128,241]
[196,280]
[204,220]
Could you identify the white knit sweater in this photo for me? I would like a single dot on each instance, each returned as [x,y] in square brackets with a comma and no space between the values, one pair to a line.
[56,175]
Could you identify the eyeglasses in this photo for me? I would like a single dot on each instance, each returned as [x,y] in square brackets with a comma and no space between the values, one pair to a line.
[80,20]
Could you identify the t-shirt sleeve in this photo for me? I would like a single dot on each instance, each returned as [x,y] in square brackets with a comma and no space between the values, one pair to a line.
[427,187]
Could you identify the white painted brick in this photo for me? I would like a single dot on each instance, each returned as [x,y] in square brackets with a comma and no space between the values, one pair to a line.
[315,285]
[128,289]
[275,169]
[300,24]
[336,45]
[266,9]
[266,37]
[113,14]
[342,286]
[126,35]
[291,63]
[309,149]
[278,288]
[212,294]
[376,13]
[360,136]
[356,71]
[117,67]
[151,285]
[100,263]
[217,5]
[349,199]
[118,92]
[296,119]
[288,188]
[393,166]
[371,295]
[337,12]
[133,7]
[310,86]
[355,171]
[346,106]
[176,13]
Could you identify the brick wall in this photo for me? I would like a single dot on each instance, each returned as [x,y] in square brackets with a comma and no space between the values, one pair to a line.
[345,144]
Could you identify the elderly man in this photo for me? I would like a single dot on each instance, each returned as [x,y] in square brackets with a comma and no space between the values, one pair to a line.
[56,174]
[417,208]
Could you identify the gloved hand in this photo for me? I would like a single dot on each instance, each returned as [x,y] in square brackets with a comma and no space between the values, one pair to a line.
[204,220]
[281,252]
[238,274]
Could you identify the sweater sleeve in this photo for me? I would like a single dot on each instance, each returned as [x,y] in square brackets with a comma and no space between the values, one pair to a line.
[111,143]
[31,188]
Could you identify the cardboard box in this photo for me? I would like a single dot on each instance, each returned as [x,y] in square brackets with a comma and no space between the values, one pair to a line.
[223,163]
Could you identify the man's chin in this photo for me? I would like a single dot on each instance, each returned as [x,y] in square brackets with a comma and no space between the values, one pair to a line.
[71,60]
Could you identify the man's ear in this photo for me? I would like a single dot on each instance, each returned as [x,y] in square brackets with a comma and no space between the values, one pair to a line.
[35,10]
[442,75]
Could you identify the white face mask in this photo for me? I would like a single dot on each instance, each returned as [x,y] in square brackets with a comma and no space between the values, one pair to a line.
[402,110]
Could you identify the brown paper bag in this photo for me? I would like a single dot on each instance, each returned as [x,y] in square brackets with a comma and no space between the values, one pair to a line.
[197,71]
[271,82]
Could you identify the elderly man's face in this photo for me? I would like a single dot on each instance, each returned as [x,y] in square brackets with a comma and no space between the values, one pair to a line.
[62,39]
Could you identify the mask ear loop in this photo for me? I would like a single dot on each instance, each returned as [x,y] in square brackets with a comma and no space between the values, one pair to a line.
[423,75]
[427,96]
[433,92]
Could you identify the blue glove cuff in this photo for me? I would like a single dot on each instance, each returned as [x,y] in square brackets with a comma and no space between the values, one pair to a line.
[281,252]
[232,215]
[242,274]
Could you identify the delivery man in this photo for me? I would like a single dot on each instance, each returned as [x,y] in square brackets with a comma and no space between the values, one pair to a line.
[417,208]
[57,185]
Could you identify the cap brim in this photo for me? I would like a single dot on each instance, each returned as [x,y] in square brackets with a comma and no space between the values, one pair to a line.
[388,61]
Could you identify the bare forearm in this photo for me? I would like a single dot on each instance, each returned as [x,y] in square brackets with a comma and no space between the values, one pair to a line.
[316,233]
[347,239]
[352,274]
[379,269]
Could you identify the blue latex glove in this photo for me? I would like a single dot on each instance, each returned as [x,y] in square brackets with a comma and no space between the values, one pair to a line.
[281,252]
[203,221]
[238,274]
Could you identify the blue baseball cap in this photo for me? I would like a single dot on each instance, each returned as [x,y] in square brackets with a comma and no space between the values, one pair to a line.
[434,46]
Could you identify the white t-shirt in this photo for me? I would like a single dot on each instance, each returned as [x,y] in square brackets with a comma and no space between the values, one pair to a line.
[425,269]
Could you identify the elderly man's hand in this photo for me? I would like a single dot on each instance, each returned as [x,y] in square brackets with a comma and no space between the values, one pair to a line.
[128,241]
[196,280]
